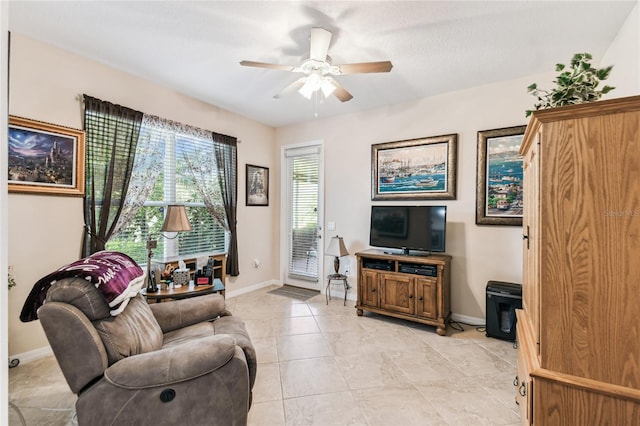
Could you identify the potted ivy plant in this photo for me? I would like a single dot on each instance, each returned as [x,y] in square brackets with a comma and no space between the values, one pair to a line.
[574,85]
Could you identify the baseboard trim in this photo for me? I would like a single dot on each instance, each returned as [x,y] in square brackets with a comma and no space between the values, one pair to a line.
[467,319]
[34,355]
[339,294]
[230,294]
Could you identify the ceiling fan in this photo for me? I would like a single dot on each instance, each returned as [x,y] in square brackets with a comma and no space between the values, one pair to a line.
[318,70]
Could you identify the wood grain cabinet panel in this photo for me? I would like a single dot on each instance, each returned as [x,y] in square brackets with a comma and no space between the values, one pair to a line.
[427,297]
[420,295]
[369,286]
[398,293]
[581,269]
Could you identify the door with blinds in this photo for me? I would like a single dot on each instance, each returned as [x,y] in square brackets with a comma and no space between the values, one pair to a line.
[302,189]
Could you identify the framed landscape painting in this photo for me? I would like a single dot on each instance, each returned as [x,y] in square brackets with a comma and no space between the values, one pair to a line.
[416,169]
[45,158]
[499,198]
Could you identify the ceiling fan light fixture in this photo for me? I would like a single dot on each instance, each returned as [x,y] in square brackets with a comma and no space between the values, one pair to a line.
[318,68]
[327,87]
[306,90]
[311,85]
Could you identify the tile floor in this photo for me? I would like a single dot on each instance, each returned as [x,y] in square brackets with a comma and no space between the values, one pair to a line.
[323,365]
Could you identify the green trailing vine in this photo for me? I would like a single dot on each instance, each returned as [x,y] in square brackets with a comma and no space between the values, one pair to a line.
[11,281]
[574,85]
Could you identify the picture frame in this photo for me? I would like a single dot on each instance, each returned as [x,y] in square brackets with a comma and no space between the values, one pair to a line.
[257,183]
[415,169]
[45,158]
[499,198]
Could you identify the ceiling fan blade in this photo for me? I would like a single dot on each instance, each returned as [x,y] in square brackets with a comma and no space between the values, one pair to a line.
[365,67]
[320,39]
[267,65]
[293,87]
[340,92]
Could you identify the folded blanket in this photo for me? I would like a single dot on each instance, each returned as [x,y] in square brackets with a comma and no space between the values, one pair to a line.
[115,275]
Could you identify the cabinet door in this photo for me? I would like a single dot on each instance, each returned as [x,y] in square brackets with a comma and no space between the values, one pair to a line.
[397,293]
[523,382]
[531,236]
[427,303]
[369,291]
[523,385]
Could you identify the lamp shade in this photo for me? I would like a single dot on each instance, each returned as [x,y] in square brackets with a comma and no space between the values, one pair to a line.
[176,219]
[336,247]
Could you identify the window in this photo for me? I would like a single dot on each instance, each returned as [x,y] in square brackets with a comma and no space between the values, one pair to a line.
[184,153]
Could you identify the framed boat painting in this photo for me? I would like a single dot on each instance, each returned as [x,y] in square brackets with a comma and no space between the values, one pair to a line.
[45,158]
[416,169]
[499,199]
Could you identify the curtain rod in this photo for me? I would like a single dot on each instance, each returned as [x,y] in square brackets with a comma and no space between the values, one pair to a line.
[80,97]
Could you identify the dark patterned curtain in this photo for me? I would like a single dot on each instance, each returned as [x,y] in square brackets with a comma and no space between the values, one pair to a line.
[226,148]
[112,133]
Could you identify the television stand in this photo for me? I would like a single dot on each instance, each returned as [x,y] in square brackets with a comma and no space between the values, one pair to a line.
[410,287]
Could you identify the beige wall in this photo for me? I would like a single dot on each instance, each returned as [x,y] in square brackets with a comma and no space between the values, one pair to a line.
[45,231]
[624,55]
[480,253]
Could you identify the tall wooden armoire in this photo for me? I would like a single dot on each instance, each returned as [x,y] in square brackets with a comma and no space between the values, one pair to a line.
[579,330]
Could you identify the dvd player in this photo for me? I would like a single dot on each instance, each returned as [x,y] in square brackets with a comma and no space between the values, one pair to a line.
[382,265]
[418,269]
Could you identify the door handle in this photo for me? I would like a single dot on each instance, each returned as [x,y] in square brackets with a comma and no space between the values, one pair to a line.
[526,237]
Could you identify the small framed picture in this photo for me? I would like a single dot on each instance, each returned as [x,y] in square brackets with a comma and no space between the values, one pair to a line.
[45,158]
[257,185]
[499,198]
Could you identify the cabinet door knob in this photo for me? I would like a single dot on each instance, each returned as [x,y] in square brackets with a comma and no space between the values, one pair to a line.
[523,389]
[421,298]
[411,296]
[373,290]
[516,381]
[526,237]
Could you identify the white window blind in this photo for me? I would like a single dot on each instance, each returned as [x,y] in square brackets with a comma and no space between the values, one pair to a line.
[174,185]
[303,170]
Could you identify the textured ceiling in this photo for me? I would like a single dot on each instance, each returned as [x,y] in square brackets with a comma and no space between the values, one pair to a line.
[435,46]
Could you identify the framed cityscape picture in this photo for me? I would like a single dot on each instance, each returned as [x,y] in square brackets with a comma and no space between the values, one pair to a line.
[499,198]
[45,158]
[416,169]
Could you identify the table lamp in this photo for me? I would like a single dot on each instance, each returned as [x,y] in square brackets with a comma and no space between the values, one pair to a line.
[175,220]
[336,248]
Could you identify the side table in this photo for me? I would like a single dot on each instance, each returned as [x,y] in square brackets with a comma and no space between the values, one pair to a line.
[336,277]
[185,291]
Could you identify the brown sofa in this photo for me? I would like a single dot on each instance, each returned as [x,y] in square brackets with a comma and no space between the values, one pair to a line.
[181,362]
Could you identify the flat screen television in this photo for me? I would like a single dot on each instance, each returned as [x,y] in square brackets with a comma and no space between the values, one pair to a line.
[419,228]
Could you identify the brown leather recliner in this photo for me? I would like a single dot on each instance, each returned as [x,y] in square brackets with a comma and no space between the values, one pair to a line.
[181,362]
